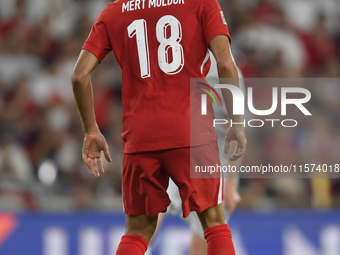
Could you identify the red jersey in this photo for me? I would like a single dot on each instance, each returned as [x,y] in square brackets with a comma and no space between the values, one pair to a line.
[160,45]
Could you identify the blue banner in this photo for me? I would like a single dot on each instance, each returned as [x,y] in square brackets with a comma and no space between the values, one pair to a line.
[254,233]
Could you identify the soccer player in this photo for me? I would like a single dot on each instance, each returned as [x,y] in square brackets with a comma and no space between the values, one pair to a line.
[160,45]
[198,244]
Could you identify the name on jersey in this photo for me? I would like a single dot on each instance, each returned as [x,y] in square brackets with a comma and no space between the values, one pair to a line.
[134,5]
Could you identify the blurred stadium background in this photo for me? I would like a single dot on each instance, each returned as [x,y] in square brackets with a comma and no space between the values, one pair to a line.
[52,206]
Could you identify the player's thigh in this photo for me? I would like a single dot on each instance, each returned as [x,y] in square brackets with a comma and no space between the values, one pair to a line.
[141,225]
[144,184]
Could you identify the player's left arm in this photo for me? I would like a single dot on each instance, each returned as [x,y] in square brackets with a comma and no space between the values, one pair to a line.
[94,142]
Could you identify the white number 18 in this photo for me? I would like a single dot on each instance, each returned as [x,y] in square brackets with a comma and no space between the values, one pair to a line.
[167,43]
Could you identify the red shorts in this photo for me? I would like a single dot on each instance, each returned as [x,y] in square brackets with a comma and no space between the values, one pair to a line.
[146,178]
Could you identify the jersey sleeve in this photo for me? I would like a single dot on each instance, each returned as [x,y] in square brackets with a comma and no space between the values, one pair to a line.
[98,41]
[213,20]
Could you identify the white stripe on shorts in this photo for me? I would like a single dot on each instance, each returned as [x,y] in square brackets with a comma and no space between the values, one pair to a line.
[219,201]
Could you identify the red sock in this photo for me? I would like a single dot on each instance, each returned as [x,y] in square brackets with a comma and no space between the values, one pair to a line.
[132,245]
[219,240]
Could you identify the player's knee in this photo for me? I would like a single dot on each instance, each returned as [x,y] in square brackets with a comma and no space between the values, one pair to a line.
[211,217]
[142,225]
[145,233]
[212,222]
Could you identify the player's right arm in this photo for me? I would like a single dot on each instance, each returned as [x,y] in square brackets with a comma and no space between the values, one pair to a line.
[94,142]
[220,47]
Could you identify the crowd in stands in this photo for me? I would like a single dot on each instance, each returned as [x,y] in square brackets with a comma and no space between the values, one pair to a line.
[40,131]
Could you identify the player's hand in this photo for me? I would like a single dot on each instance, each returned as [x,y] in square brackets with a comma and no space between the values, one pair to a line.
[231,199]
[94,144]
[235,134]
